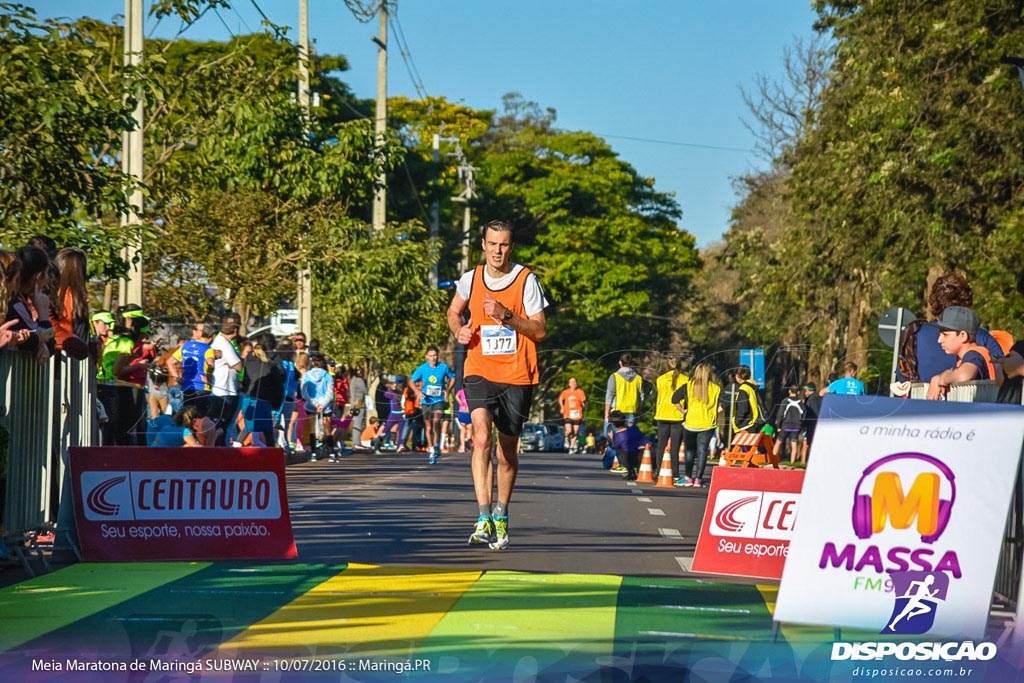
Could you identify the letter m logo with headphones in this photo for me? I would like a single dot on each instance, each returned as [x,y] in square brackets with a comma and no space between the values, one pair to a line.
[892,501]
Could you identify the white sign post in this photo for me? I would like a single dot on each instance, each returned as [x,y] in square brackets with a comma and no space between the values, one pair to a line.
[902,515]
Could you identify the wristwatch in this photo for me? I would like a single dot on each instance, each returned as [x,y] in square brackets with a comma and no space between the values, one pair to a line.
[507,316]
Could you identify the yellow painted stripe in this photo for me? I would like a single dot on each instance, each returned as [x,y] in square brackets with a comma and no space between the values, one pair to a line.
[364,609]
[800,633]
[554,619]
[33,608]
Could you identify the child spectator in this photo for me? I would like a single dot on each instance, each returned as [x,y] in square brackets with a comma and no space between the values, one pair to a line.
[465,421]
[788,420]
[627,440]
[958,328]
[372,436]
[318,390]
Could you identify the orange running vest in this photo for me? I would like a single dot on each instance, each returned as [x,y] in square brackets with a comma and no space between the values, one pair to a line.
[519,368]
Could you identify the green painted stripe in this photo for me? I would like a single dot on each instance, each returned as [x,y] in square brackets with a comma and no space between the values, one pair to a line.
[193,614]
[33,608]
[535,624]
[686,619]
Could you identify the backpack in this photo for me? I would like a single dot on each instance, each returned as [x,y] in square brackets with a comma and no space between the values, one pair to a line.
[763,418]
[791,403]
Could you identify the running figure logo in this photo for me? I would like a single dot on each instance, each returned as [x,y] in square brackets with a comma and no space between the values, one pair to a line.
[918,595]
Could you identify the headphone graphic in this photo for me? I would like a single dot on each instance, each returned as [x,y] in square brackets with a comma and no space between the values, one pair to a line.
[862,503]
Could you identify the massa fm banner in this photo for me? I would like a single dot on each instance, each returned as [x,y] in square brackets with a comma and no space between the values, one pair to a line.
[181,503]
[902,515]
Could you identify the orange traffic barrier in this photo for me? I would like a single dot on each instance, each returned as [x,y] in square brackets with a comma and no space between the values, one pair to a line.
[646,475]
[665,480]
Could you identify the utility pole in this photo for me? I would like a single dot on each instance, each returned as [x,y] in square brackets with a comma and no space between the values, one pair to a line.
[304,301]
[468,193]
[381,122]
[130,288]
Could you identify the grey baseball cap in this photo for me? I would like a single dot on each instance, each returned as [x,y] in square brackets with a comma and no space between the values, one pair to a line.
[959,319]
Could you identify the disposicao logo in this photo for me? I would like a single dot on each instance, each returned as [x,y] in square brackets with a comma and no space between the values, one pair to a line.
[918,595]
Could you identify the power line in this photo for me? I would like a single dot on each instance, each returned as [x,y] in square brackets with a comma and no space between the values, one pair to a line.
[676,143]
[403,50]
[365,11]
[274,27]
[224,23]
[242,19]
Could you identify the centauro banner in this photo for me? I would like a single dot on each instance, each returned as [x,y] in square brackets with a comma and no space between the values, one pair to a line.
[748,522]
[902,515]
[181,504]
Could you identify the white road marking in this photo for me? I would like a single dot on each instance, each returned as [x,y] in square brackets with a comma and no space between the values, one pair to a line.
[685,563]
[671,533]
[643,500]
[656,512]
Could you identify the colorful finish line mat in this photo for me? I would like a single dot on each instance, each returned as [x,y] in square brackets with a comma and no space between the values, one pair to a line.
[201,621]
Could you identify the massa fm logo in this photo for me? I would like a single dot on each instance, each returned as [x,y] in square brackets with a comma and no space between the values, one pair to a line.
[890,503]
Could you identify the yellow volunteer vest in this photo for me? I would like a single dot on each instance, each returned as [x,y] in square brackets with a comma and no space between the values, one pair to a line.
[665,409]
[627,394]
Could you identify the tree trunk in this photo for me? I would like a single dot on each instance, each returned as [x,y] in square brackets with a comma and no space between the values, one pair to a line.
[856,336]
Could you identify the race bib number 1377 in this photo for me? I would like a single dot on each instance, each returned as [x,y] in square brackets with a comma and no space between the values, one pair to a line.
[497,340]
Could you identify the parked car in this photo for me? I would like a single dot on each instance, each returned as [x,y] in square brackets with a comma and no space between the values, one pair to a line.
[534,437]
[542,438]
[556,438]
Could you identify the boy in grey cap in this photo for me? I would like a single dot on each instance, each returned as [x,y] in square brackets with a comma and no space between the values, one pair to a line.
[958,326]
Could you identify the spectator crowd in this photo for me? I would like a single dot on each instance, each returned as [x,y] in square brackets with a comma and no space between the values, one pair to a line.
[206,384]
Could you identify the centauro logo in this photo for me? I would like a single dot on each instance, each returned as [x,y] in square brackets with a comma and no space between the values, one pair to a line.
[754,514]
[144,496]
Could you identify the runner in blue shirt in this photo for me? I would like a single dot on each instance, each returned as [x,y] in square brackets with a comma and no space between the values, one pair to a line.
[433,381]
[848,384]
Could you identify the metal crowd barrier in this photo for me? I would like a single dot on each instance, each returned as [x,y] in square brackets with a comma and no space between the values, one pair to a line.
[44,411]
[978,391]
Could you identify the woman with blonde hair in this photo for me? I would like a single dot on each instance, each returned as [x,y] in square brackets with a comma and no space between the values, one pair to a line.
[698,401]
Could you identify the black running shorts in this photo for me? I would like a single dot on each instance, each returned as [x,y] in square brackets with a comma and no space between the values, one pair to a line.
[509,404]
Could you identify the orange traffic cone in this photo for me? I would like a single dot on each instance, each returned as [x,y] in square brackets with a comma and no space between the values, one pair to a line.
[646,475]
[665,480]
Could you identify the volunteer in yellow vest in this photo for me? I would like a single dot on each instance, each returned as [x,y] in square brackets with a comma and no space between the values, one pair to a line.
[698,400]
[624,392]
[573,402]
[745,408]
[958,327]
[667,415]
[505,306]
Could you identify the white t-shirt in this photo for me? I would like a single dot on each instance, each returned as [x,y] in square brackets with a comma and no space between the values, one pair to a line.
[225,380]
[534,300]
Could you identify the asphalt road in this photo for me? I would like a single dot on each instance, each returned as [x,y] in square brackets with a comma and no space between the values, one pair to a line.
[567,515]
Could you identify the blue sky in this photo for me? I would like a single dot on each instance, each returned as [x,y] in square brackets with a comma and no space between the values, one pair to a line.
[661,70]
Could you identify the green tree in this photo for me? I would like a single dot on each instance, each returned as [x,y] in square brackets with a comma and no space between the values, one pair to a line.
[602,239]
[61,118]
